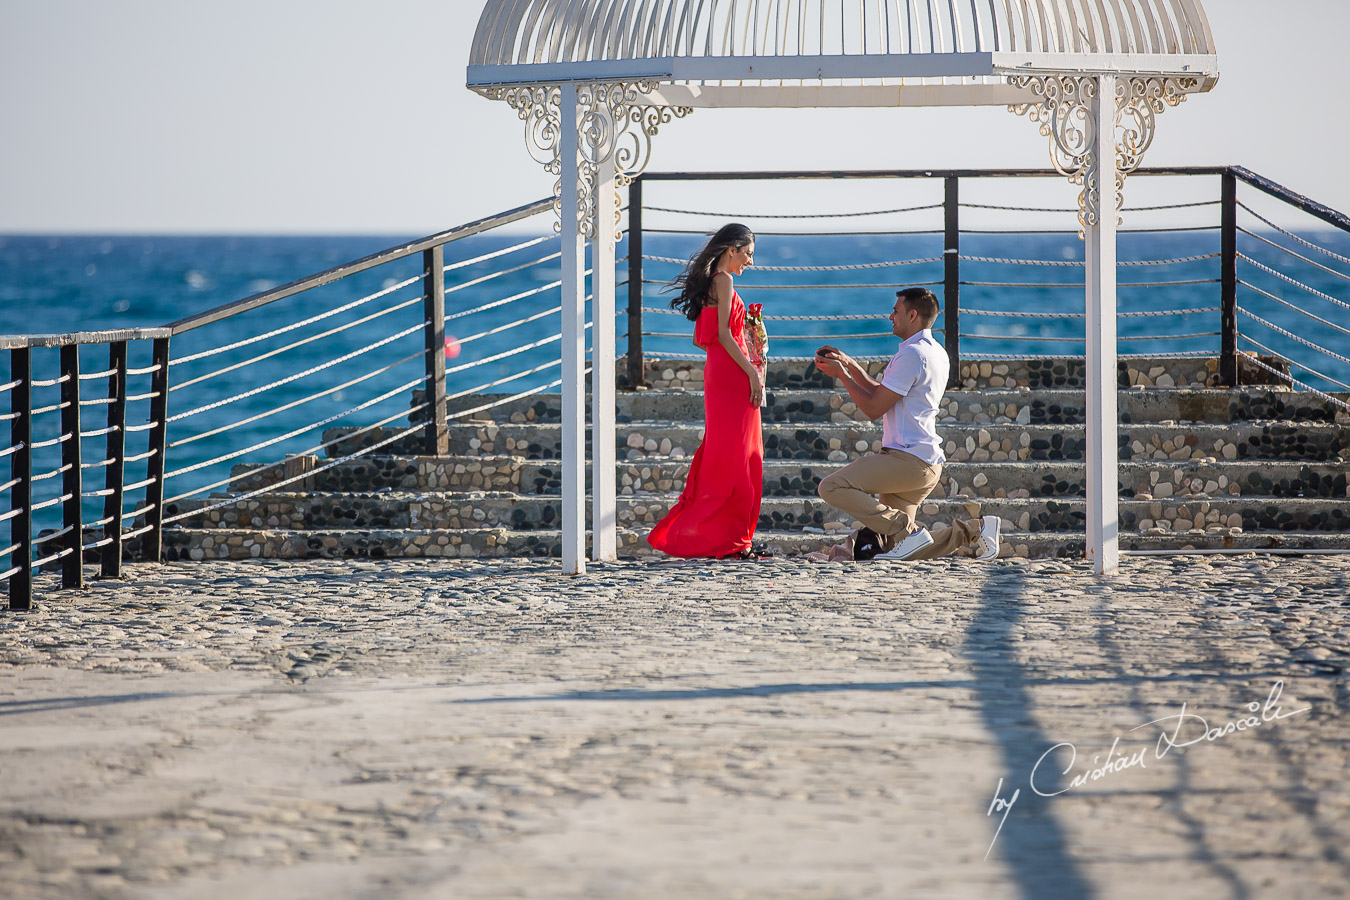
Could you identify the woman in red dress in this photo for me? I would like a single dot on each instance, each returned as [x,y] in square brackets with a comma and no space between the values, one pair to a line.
[719,508]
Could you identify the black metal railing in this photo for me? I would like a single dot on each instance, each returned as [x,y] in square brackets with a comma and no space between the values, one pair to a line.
[71,418]
[188,405]
[950,268]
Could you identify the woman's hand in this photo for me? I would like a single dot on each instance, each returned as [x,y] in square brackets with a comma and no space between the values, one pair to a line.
[756,391]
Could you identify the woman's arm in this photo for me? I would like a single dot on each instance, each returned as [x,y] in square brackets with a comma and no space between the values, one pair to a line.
[722,292]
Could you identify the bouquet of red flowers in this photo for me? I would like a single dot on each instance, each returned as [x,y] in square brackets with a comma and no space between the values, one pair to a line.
[756,338]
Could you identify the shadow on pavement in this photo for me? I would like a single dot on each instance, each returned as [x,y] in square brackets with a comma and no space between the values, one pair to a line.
[638,695]
[1031,843]
[53,704]
[1174,799]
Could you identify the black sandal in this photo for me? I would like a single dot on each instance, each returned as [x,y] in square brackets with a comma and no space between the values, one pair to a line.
[753,552]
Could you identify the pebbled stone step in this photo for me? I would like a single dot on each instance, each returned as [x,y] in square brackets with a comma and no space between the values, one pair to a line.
[1048,478]
[444,511]
[1160,478]
[410,472]
[185,544]
[639,440]
[1038,374]
[1311,442]
[979,407]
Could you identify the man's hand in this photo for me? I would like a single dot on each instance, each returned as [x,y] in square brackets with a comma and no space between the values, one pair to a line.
[829,352]
[830,366]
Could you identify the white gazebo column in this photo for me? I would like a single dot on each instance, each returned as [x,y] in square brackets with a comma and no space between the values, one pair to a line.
[1099,128]
[595,137]
[1103,491]
[604,508]
[573,339]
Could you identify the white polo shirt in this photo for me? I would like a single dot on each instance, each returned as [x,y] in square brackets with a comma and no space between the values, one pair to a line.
[918,373]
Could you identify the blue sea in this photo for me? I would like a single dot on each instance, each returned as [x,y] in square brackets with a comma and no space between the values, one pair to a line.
[271,401]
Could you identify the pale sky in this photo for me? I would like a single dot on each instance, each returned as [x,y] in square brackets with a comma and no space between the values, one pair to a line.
[351,116]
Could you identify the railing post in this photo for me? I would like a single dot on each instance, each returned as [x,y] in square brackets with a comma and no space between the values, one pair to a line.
[1229,373]
[21,497]
[951,281]
[636,366]
[436,438]
[153,546]
[116,453]
[72,484]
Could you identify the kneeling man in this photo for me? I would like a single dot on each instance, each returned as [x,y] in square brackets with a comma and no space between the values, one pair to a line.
[883,490]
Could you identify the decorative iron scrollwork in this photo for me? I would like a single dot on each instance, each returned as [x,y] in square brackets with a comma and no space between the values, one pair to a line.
[612,124]
[1139,102]
[1064,108]
[539,107]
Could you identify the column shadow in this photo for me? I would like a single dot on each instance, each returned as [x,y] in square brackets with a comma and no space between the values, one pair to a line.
[1032,842]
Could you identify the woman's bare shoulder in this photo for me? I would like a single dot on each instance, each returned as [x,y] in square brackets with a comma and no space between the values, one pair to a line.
[721,286]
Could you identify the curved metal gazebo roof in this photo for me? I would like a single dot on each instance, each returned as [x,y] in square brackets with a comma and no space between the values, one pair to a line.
[750,43]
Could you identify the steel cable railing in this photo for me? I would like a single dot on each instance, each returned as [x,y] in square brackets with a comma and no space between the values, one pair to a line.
[249,341]
[1289,234]
[383,442]
[835,215]
[286,407]
[495,254]
[500,329]
[338,389]
[297,344]
[1006,296]
[1065,209]
[274,373]
[502,274]
[1293,281]
[248,495]
[836,268]
[1289,379]
[1292,316]
[235,454]
[1175,229]
[819,287]
[253,392]
[1304,341]
[505,354]
[1269,243]
[1298,309]
[790,234]
[497,304]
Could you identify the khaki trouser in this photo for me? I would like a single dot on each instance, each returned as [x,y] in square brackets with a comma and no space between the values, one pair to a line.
[883,491]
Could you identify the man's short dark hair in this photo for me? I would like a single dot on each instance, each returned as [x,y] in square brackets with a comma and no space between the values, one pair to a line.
[923,302]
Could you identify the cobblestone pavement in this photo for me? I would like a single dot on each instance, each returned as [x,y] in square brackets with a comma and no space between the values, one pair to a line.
[434,729]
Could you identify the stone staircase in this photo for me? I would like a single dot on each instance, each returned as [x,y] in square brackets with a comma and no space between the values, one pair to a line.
[1202,467]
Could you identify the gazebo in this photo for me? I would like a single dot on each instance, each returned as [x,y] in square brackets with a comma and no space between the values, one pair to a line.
[593,81]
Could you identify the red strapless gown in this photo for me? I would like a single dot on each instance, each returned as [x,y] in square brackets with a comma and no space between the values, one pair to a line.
[717,513]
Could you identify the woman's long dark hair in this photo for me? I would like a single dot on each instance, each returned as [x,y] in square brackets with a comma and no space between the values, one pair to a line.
[695,281]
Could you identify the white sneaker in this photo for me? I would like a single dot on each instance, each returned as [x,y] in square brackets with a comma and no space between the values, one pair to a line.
[909,546]
[989,545]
